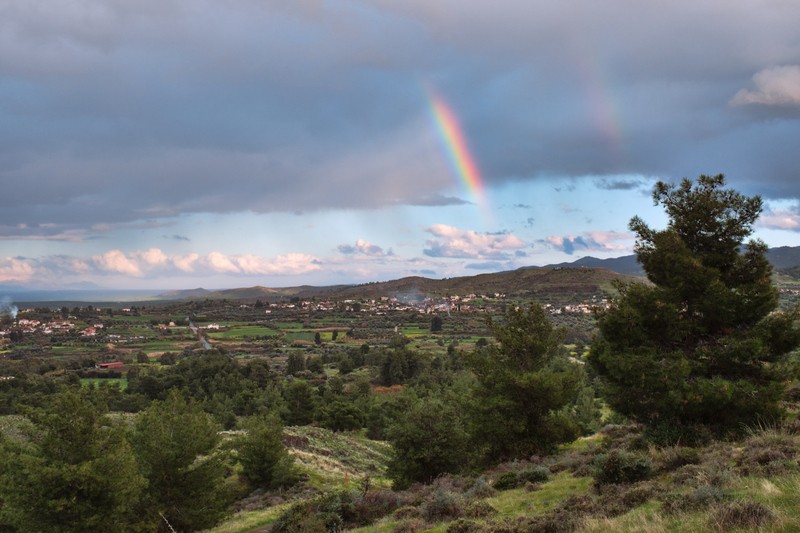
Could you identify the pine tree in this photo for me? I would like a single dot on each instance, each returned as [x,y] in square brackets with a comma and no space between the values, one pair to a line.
[176,445]
[522,385]
[75,471]
[698,345]
[262,454]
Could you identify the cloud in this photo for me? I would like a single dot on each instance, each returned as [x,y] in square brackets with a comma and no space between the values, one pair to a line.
[774,86]
[596,241]
[457,243]
[492,266]
[13,270]
[113,113]
[115,261]
[154,263]
[781,219]
[363,247]
[619,184]
[176,238]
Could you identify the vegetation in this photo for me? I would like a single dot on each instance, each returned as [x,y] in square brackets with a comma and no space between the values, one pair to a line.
[522,384]
[699,346]
[456,410]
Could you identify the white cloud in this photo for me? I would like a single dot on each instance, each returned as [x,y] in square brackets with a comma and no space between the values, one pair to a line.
[186,263]
[221,263]
[777,86]
[457,243]
[362,247]
[288,264]
[117,262]
[15,270]
[154,257]
[780,219]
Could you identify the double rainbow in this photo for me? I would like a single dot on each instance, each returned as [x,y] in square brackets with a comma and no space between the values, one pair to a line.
[455,145]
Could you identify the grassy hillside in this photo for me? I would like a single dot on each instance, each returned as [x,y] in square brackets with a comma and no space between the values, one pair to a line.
[611,481]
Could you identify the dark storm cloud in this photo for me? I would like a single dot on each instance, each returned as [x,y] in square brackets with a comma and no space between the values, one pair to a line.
[120,111]
[620,184]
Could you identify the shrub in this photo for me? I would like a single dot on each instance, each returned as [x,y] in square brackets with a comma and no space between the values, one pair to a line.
[442,505]
[406,512]
[479,509]
[741,514]
[480,489]
[619,466]
[329,512]
[412,525]
[700,498]
[463,525]
[619,499]
[512,480]
[373,505]
[506,481]
[769,453]
[565,518]
[674,457]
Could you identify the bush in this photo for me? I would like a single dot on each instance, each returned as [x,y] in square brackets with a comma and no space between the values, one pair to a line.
[619,499]
[741,514]
[512,480]
[672,458]
[769,453]
[442,505]
[329,512]
[479,509]
[463,525]
[619,466]
[412,525]
[407,511]
[480,489]
[506,481]
[700,498]
[373,505]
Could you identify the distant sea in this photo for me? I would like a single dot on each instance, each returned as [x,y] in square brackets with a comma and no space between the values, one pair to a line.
[18,296]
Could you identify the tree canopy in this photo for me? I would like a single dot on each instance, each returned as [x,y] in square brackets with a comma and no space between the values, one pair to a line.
[698,345]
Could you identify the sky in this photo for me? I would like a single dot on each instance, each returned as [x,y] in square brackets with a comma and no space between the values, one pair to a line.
[171,144]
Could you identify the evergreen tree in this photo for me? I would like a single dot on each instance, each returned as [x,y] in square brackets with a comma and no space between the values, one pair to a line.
[429,440]
[301,403]
[698,346]
[522,383]
[176,445]
[75,471]
[264,459]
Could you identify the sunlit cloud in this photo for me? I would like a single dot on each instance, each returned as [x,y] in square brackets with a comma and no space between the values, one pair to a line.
[468,244]
[774,86]
[362,247]
[782,219]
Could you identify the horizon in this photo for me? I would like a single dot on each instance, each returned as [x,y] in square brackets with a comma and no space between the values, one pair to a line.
[176,144]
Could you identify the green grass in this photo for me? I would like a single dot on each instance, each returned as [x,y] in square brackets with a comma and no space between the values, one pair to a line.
[332,459]
[520,502]
[246,521]
[122,383]
[240,332]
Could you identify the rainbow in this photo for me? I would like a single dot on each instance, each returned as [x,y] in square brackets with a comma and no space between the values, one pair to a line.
[455,144]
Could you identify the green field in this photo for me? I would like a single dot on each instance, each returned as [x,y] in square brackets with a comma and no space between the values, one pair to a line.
[240,332]
[122,383]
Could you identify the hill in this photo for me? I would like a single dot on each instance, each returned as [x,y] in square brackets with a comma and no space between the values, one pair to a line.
[783,258]
[539,283]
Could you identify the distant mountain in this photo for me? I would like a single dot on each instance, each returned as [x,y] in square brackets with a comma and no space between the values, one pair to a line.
[182,294]
[782,258]
[627,264]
